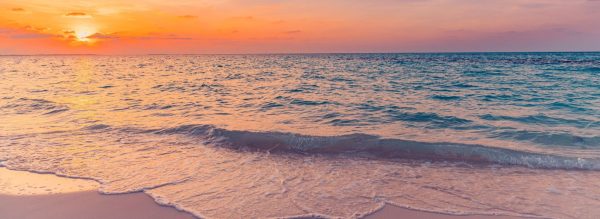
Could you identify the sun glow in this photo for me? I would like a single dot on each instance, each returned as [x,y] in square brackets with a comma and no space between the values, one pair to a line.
[82,33]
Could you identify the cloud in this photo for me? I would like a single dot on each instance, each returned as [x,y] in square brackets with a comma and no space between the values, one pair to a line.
[149,36]
[26,32]
[78,15]
[5,30]
[31,36]
[103,36]
[17,9]
[75,14]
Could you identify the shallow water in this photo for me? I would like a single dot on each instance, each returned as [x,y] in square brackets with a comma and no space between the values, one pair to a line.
[332,135]
[22,183]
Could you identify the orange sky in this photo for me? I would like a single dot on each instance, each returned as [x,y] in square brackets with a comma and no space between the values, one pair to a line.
[296,26]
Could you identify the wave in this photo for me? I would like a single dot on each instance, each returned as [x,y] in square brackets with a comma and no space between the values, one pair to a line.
[542,119]
[550,138]
[445,97]
[30,105]
[375,147]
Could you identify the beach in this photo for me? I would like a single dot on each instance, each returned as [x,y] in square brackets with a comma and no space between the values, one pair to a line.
[91,205]
[28,195]
[88,205]
[56,202]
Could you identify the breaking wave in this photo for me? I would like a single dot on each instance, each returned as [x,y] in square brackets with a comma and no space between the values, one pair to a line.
[376,147]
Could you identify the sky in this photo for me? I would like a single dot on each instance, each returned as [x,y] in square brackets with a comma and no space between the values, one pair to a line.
[296,26]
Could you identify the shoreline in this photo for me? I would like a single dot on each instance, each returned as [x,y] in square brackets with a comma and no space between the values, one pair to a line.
[138,205]
[29,195]
[390,211]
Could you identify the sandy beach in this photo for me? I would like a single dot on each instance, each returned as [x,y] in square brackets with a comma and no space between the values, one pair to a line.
[88,205]
[92,205]
[27,195]
[391,212]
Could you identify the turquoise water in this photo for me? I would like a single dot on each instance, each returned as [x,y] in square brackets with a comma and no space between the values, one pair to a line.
[177,122]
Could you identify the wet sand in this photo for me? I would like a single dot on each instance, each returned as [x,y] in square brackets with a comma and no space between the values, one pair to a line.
[92,205]
[27,195]
[86,205]
[394,212]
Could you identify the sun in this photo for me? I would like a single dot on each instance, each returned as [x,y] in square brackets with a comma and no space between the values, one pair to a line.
[83,32]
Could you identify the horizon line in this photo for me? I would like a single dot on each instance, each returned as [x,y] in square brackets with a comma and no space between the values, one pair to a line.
[292,53]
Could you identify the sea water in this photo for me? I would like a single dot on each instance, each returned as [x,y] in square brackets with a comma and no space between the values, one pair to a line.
[332,135]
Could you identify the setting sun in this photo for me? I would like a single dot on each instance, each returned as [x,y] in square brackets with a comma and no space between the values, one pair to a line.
[82,33]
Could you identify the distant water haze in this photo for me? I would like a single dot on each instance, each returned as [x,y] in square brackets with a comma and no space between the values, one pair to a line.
[323,134]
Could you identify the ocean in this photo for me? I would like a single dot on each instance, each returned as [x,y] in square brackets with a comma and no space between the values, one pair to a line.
[322,135]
